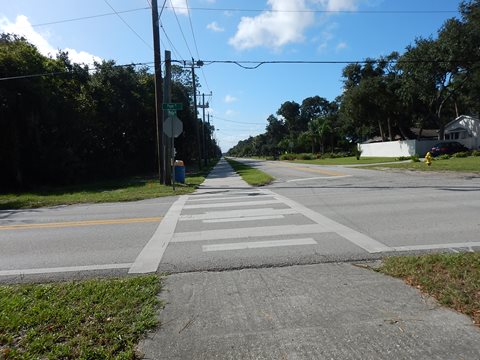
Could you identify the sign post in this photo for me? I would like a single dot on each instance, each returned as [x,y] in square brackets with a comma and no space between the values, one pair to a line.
[172,127]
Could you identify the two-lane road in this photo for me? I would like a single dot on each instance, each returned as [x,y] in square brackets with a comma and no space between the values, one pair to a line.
[310,214]
[76,240]
[403,209]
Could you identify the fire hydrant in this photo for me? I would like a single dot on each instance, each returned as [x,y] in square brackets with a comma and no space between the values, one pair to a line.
[428,158]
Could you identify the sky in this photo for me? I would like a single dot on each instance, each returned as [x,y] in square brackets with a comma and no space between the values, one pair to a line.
[225,30]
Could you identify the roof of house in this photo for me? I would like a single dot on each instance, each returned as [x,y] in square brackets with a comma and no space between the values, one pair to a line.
[426,133]
[461,117]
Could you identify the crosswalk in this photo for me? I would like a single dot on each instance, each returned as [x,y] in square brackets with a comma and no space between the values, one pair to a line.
[227,221]
[243,218]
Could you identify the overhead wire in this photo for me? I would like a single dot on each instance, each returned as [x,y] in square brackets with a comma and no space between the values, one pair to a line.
[237,122]
[257,64]
[128,25]
[175,51]
[420,12]
[181,31]
[90,17]
[287,62]
[195,43]
[27,76]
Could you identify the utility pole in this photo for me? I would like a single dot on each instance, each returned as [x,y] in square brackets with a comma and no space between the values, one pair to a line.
[209,140]
[158,92]
[203,106]
[195,116]
[167,95]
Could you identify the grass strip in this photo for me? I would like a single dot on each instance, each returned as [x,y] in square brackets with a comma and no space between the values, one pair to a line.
[453,279]
[251,175]
[468,164]
[108,191]
[350,160]
[93,319]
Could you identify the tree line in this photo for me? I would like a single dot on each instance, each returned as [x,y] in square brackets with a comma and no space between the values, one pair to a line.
[432,82]
[77,123]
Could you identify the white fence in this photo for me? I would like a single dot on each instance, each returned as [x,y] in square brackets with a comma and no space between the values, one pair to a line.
[407,147]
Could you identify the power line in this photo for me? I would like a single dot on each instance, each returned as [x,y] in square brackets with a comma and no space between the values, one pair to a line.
[236,122]
[195,43]
[89,17]
[181,30]
[257,64]
[132,29]
[171,44]
[145,64]
[321,11]
[420,12]
[161,10]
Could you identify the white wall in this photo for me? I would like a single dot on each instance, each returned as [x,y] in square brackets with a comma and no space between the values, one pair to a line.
[388,148]
[408,147]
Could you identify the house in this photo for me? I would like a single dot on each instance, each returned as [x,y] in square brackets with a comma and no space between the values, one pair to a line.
[464,129]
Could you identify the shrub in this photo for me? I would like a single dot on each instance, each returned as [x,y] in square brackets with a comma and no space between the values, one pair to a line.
[443,157]
[462,154]
[288,157]
[415,158]
[476,153]
[305,156]
[340,154]
[403,158]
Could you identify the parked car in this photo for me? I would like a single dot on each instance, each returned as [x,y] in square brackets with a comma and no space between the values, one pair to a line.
[449,148]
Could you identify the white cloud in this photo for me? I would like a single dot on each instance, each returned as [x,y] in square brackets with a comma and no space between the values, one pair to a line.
[180,6]
[230,112]
[341,45]
[230,99]
[22,27]
[214,27]
[273,29]
[338,5]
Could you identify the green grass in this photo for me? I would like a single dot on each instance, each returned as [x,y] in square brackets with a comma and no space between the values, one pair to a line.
[469,164]
[111,191]
[251,175]
[94,319]
[453,279]
[351,160]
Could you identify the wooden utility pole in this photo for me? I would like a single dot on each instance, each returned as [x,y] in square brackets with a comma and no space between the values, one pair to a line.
[158,92]
[203,106]
[167,95]
[195,116]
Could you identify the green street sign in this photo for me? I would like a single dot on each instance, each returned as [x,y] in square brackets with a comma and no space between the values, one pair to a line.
[172,106]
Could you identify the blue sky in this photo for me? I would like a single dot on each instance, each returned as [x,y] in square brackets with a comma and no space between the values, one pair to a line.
[349,30]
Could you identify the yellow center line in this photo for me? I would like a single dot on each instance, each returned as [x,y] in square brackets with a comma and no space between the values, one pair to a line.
[307,169]
[80,223]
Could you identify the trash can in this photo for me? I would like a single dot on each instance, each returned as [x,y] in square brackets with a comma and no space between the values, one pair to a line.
[179,171]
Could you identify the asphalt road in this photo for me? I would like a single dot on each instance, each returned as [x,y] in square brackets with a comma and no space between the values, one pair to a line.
[398,208]
[314,214]
[310,214]
[76,241]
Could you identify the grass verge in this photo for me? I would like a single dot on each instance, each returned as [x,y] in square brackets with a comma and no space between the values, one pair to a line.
[251,175]
[351,160]
[94,319]
[453,279]
[468,164]
[107,191]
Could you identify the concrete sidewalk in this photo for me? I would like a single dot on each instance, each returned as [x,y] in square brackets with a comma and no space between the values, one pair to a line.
[323,311]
